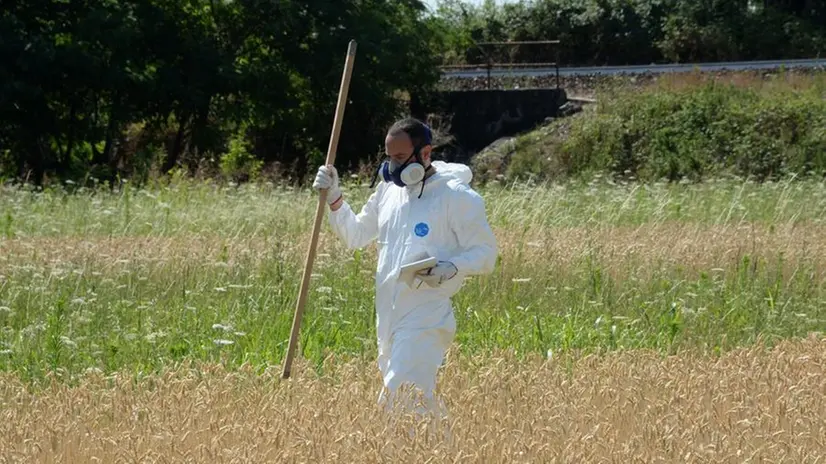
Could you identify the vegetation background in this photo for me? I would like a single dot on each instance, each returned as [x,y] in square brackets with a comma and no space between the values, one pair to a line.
[239,89]
[661,300]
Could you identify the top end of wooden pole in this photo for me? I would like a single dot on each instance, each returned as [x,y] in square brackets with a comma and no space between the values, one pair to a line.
[351,48]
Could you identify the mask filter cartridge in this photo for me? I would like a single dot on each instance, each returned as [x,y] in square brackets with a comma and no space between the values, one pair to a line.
[402,175]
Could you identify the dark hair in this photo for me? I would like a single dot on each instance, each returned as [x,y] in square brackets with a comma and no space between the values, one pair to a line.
[419,133]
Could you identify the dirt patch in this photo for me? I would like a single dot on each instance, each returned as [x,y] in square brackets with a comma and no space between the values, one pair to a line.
[749,405]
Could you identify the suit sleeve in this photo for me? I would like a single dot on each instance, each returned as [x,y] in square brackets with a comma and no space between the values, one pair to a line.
[356,230]
[477,242]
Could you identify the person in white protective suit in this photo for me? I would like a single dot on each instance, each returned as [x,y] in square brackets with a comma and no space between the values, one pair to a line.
[422,209]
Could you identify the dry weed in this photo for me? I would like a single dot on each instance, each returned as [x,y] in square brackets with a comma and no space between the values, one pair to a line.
[686,245]
[745,406]
[691,248]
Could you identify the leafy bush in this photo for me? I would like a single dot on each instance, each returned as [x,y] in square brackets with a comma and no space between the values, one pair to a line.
[690,133]
[239,163]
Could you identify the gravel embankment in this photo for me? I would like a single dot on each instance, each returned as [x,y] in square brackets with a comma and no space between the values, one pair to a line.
[588,85]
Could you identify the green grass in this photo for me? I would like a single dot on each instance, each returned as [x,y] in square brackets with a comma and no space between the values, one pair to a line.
[141,278]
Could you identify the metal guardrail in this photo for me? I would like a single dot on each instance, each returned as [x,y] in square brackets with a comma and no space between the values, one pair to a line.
[499,65]
[522,42]
[489,65]
[814,63]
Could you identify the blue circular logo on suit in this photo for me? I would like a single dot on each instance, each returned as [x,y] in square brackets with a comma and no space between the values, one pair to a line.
[421,229]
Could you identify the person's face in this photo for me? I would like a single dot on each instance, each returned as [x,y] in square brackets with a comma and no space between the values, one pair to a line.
[399,148]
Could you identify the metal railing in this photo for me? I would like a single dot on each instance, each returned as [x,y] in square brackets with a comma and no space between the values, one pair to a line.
[489,64]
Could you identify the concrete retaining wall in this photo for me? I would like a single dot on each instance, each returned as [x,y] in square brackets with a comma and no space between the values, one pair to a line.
[477,118]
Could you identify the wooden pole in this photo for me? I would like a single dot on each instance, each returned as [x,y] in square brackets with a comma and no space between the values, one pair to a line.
[319,215]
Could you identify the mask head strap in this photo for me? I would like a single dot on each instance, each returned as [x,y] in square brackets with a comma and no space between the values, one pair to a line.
[428,140]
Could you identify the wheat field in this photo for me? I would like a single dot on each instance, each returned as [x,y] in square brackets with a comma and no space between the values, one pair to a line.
[749,405]
[623,323]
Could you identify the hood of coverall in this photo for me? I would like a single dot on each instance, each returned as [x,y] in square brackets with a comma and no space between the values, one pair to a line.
[455,170]
[445,172]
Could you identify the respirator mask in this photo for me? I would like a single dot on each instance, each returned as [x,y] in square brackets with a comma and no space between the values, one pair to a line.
[411,172]
[405,174]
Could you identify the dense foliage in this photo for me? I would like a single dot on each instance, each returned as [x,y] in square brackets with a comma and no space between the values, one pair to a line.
[762,130]
[125,88]
[627,32]
[116,87]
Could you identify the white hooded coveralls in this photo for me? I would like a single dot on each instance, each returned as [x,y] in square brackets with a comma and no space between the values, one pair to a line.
[415,326]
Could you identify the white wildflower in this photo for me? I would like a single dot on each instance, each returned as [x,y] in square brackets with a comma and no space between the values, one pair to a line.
[154,335]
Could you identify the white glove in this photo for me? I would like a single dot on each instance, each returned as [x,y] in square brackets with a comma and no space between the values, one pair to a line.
[438,274]
[327,178]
